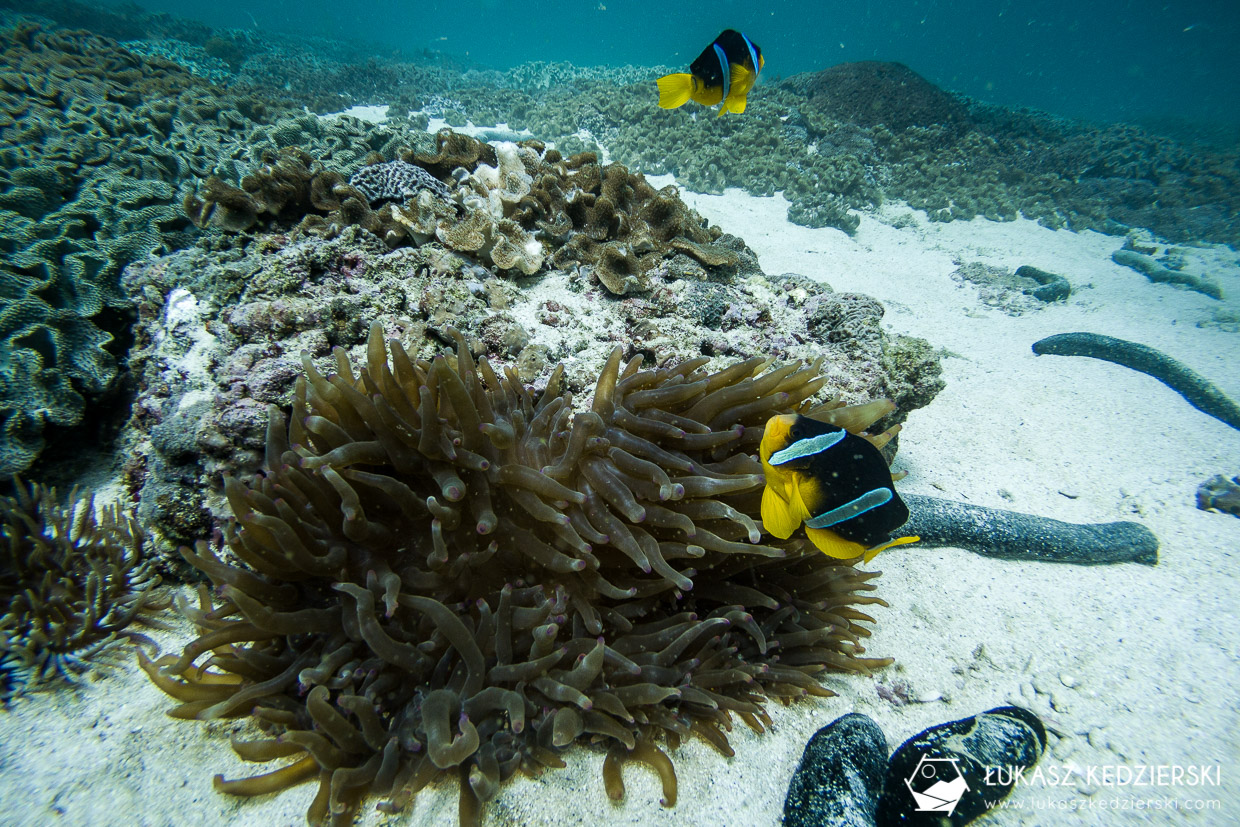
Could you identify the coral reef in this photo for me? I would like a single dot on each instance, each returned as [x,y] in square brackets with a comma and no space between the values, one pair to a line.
[445,573]
[220,332]
[72,581]
[948,156]
[515,200]
[96,142]
[1198,391]
[397,181]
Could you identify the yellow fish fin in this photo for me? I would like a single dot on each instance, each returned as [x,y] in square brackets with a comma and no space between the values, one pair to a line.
[870,554]
[833,545]
[740,82]
[777,514]
[807,496]
[776,436]
[674,90]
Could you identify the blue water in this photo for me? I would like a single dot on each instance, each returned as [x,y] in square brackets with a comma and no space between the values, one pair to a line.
[1108,60]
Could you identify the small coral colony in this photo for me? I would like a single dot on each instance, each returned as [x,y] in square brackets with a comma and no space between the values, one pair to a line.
[439,571]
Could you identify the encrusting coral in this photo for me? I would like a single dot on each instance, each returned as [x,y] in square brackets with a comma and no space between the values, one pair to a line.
[439,572]
[71,580]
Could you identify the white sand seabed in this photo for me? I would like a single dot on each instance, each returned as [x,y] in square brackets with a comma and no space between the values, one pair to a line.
[1131,665]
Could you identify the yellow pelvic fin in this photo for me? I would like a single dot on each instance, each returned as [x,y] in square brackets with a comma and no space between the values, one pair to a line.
[777,515]
[674,90]
[833,545]
[742,80]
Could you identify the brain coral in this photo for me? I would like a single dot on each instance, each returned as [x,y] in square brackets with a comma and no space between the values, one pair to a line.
[440,572]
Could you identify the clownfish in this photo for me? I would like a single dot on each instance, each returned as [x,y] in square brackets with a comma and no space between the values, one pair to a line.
[834,482]
[724,73]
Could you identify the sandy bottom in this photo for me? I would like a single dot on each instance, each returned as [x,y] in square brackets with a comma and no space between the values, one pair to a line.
[1129,665]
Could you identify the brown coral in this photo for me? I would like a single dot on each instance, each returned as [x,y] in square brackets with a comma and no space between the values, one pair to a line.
[285,185]
[439,572]
[871,92]
[515,208]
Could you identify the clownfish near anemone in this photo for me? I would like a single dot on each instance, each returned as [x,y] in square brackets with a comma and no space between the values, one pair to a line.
[723,73]
[834,482]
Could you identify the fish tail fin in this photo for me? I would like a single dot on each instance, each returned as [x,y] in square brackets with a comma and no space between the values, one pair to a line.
[674,90]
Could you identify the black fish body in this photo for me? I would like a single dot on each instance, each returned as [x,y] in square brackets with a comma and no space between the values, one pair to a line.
[723,73]
[835,483]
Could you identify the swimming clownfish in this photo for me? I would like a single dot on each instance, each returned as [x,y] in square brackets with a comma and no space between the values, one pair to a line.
[834,482]
[724,72]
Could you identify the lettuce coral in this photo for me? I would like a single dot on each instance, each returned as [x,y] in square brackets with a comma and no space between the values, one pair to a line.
[440,572]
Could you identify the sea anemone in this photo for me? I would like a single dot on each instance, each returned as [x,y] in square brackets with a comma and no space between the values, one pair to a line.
[72,579]
[440,572]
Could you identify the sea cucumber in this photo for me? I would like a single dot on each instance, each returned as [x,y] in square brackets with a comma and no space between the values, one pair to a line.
[995,532]
[1199,391]
[1155,272]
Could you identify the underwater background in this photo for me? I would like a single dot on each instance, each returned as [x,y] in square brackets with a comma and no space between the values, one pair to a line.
[996,241]
[1139,61]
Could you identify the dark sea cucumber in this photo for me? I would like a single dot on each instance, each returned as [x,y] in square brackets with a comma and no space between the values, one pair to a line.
[995,532]
[1155,272]
[1199,391]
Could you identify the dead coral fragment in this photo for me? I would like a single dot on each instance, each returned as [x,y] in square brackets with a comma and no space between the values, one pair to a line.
[440,572]
[72,581]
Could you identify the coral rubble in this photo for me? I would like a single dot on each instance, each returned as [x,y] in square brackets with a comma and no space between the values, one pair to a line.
[1015,293]
[441,572]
